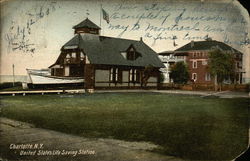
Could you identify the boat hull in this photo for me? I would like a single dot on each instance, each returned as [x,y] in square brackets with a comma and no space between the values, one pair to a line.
[40,79]
[43,80]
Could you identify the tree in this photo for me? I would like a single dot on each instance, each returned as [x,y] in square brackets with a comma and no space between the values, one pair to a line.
[221,66]
[179,73]
[146,74]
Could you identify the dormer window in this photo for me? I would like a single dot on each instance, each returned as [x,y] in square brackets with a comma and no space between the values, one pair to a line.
[130,53]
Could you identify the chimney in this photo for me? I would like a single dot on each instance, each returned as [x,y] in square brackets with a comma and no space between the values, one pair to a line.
[192,43]
[209,39]
[141,39]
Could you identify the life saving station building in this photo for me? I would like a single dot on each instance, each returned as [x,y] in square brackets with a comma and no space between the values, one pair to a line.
[107,62]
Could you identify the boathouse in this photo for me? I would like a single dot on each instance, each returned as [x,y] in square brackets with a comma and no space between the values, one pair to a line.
[107,62]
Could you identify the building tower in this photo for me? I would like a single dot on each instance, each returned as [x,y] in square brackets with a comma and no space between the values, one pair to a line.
[87,26]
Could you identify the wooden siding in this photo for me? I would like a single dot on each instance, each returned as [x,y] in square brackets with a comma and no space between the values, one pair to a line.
[101,75]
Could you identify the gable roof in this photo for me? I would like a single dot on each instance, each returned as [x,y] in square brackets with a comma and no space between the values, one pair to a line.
[107,50]
[86,24]
[206,45]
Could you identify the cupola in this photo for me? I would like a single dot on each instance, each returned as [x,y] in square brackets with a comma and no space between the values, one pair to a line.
[87,26]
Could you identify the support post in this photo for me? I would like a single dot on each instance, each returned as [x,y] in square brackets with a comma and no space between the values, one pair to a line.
[89,75]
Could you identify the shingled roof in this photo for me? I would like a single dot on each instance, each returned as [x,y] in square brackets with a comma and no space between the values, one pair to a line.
[107,50]
[86,24]
[206,45]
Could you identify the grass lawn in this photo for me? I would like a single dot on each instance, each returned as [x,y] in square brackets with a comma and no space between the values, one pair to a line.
[190,127]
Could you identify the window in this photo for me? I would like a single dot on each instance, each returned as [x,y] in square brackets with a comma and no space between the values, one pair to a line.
[81,55]
[194,64]
[180,57]
[93,31]
[239,65]
[194,76]
[131,54]
[73,55]
[131,75]
[204,62]
[113,74]
[67,59]
[134,75]
[207,77]
[68,56]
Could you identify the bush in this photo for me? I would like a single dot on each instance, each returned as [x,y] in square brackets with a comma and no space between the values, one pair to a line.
[10,85]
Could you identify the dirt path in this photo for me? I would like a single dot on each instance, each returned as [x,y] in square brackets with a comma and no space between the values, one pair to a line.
[22,141]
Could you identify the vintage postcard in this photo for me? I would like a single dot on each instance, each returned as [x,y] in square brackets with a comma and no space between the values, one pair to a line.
[124,80]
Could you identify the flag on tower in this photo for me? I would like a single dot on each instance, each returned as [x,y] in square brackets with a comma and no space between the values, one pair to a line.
[105,15]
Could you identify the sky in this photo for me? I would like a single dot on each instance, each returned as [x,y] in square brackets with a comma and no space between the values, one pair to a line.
[32,32]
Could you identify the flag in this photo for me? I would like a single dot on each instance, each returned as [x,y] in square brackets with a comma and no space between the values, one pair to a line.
[105,15]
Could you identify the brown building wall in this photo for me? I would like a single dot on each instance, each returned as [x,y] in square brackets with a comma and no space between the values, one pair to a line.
[102,80]
[89,76]
[202,68]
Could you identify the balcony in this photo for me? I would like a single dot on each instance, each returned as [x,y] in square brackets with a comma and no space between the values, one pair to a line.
[166,59]
[179,59]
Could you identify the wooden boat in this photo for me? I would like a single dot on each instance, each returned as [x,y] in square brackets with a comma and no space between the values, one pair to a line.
[43,79]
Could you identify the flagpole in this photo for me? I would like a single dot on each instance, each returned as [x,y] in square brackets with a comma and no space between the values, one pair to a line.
[13,72]
[101,19]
